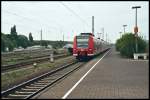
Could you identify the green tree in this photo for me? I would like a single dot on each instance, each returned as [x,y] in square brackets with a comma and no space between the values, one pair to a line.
[3,42]
[30,37]
[31,42]
[13,31]
[6,42]
[12,40]
[23,41]
[11,45]
[44,43]
[126,45]
[13,36]
[147,47]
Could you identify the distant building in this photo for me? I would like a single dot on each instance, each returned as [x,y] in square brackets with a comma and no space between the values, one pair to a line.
[49,46]
[34,47]
[7,49]
[68,46]
[18,49]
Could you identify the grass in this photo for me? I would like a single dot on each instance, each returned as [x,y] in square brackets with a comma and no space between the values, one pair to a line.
[11,77]
[18,58]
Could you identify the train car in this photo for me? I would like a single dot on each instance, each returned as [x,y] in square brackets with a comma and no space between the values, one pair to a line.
[86,45]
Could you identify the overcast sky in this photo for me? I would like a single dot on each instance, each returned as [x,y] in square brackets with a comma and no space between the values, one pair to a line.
[72,18]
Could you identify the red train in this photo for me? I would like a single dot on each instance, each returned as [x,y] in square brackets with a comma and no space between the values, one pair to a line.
[86,46]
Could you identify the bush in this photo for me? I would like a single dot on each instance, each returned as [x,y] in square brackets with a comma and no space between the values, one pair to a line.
[126,45]
[22,41]
[44,43]
[6,42]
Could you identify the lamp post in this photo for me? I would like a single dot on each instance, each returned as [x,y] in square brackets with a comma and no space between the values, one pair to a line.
[136,28]
[120,34]
[124,28]
[93,25]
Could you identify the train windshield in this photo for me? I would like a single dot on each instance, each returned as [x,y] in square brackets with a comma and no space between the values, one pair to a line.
[82,41]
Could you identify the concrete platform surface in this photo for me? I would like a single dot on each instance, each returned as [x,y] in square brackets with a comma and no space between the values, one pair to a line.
[112,77]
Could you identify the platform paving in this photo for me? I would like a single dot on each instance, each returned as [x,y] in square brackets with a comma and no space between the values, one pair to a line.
[112,77]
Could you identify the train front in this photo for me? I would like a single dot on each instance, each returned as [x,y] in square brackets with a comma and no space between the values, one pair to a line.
[83,46]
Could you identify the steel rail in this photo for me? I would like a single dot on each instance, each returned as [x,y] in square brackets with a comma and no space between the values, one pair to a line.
[21,64]
[37,81]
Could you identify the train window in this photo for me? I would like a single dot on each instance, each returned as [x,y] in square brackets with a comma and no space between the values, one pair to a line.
[82,41]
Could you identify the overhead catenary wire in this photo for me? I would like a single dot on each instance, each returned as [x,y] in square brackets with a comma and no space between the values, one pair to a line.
[29,19]
[23,26]
[49,28]
[47,20]
[72,11]
[20,17]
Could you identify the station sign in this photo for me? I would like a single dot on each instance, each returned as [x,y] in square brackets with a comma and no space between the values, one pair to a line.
[135,29]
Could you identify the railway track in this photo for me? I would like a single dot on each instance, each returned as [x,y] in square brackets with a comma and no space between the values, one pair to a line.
[11,59]
[29,52]
[24,52]
[32,87]
[29,62]
[27,56]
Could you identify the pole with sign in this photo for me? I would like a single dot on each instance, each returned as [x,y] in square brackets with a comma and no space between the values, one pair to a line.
[136,28]
[136,36]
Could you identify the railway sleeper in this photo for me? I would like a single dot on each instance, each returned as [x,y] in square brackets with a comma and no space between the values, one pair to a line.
[32,87]
[37,85]
[40,83]
[62,72]
[25,92]
[58,74]
[49,78]
[14,95]
[29,89]
[66,71]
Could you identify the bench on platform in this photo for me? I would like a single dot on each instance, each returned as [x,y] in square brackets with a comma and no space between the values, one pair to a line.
[137,55]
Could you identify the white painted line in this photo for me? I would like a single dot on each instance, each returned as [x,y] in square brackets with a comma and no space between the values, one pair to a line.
[65,96]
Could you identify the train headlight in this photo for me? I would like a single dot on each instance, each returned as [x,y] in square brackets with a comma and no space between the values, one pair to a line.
[82,49]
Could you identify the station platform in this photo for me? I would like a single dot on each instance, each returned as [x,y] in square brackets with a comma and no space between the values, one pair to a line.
[112,77]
